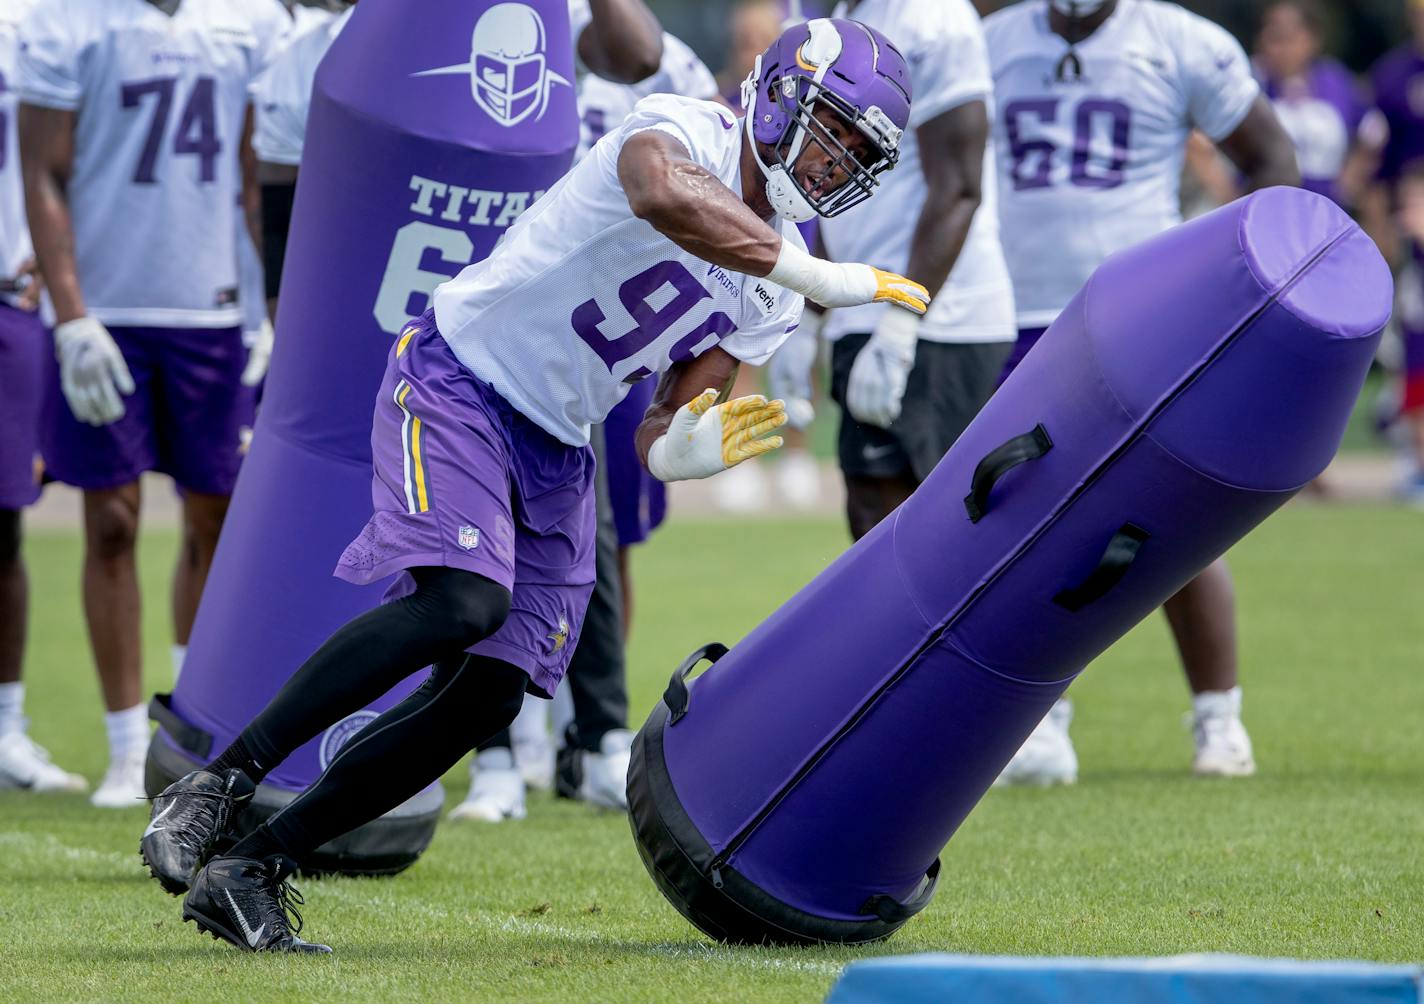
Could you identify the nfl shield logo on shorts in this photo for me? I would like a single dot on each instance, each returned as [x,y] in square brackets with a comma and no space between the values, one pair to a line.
[469,537]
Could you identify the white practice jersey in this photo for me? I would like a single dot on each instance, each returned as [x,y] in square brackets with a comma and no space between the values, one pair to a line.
[1088,167]
[603,105]
[160,105]
[581,298]
[943,43]
[15,246]
[281,96]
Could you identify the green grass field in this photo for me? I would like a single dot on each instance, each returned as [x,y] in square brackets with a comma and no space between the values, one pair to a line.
[1321,855]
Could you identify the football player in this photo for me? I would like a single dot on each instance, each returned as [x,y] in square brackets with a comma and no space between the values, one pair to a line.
[1095,101]
[24,763]
[908,386]
[668,250]
[131,129]
[592,763]
[618,37]
[1393,214]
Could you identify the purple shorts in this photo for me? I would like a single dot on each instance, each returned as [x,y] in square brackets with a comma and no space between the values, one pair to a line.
[638,499]
[1028,338]
[24,347]
[462,480]
[185,417]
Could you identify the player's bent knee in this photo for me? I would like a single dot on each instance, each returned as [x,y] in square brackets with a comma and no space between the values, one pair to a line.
[113,530]
[462,607]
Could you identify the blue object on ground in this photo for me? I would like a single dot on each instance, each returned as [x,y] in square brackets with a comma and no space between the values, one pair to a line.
[1181,979]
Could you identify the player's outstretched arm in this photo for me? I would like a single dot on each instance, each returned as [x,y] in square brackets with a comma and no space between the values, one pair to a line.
[687,434]
[688,205]
[1261,150]
[623,42]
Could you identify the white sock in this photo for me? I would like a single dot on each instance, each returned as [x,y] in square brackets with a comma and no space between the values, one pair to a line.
[179,652]
[1226,703]
[128,731]
[494,758]
[12,708]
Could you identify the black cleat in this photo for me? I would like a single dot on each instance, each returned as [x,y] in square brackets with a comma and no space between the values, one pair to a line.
[248,903]
[568,765]
[187,819]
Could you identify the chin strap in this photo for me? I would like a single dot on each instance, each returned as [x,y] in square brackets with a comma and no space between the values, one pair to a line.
[782,192]
[785,196]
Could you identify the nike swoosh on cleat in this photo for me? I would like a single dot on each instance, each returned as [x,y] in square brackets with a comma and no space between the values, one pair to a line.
[253,937]
[876,452]
[153,826]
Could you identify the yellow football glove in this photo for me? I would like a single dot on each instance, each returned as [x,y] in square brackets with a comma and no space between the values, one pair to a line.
[706,437]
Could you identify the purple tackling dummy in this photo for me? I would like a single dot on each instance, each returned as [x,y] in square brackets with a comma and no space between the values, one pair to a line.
[433,126]
[801,790]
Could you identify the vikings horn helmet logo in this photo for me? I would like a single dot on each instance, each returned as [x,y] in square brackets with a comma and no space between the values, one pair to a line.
[508,69]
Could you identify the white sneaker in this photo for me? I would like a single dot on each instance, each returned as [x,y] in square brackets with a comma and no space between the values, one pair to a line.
[529,736]
[1047,756]
[25,764]
[1223,747]
[496,790]
[122,787]
[740,489]
[798,478]
[605,773]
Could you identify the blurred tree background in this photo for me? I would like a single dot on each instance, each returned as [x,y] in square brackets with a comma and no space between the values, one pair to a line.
[1359,31]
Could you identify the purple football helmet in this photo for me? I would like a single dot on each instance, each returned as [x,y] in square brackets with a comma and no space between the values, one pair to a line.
[836,64]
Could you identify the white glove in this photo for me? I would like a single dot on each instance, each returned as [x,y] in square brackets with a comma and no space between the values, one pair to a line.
[92,371]
[789,371]
[882,369]
[259,354]
[706,438]
[832,284]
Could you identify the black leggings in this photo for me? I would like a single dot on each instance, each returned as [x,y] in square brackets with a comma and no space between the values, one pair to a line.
[465,700]
[449,611]
[392,759]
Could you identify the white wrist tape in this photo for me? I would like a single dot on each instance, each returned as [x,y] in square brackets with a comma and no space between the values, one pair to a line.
[657,460]
[797,270]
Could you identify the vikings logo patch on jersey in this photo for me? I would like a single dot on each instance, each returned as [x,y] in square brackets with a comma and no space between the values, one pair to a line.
[508,67]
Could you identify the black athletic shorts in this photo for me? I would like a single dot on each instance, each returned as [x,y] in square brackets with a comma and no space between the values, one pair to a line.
[951,381]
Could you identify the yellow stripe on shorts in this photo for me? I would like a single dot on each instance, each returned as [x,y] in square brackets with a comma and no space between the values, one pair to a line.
[404,341]
[417,491]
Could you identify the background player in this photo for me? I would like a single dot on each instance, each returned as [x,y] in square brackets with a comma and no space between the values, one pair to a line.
[908,386]
[24,342]
[592,761]
[483,472]
[1095,104]
[1392,213]
[131,130]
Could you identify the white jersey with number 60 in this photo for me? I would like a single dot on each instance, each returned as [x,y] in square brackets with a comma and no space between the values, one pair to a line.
[581,298]
[159,102]
[1090,165]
